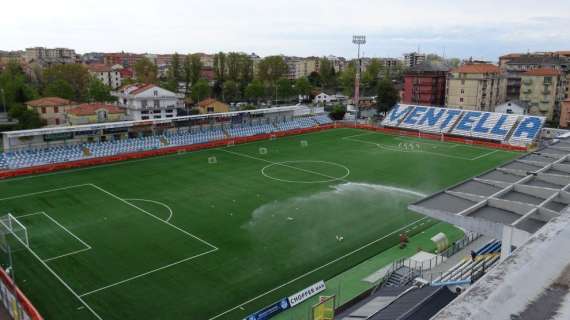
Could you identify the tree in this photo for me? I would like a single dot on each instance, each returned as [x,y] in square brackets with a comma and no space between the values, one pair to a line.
[219,74]
[174,72]
[338,112]
[99,92]
[68,81]
[146,71]
[200,90]
[255,90]
[271,69]
[347,78]
[371,75]
[387,96]
[315,79]
[284,89]
[303,87]
[192,69]
[327,73]
[59,88]
[233,66]
[231,90]
[27,119]
[16,87]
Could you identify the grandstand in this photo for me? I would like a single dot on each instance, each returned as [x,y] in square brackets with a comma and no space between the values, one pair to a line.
[503,128]
[221,231]
[31,148]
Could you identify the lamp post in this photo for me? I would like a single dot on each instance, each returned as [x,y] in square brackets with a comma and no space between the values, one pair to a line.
[358,40]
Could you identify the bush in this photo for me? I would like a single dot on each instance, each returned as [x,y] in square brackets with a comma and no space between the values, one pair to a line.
[337,112]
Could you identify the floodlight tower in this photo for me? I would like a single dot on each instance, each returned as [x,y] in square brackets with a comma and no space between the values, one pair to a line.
[358,41]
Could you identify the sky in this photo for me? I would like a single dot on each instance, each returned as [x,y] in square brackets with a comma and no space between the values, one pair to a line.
[482,29]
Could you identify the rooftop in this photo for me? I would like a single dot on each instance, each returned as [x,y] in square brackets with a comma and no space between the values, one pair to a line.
[49,102]
[88,109]
[477,68]
[542,72]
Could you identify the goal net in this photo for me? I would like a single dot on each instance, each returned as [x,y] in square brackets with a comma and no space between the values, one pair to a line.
[11,227]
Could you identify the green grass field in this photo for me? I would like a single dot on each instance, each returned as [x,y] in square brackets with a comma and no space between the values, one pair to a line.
[220,233]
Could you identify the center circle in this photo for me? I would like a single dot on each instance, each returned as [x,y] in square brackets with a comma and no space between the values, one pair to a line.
[318,175]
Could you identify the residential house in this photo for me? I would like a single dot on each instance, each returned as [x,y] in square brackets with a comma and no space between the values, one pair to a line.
[108,75]
[52,109]
[475,87]
[513,107]
[542,89]
[212,106]
[148,101]
[89,113]
[425,84]
[326,99]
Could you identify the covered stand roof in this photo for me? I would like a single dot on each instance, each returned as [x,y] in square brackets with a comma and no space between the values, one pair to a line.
[519,197]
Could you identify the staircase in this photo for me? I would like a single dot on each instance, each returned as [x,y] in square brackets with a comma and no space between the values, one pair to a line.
[401,277]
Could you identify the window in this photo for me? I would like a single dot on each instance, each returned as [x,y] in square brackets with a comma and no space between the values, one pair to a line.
[547,80]
[156,104]
[55,109]
[144,103]
[462,91]
[144,117]
[460,99]
[56,120]
[462,81]
[210,110]
[43,109]
[156,93]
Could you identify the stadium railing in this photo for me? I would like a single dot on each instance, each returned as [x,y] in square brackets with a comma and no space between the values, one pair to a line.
[14,301]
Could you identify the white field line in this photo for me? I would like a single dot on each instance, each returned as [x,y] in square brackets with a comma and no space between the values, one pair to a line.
[214,248]
[61,280]
[159,203]
[29,214]
[45,191]
[67,230]
[155,217]
[144,159]
[484,155]
[285,165]
[147,273]
[317,269]
[393,148]
[67,254]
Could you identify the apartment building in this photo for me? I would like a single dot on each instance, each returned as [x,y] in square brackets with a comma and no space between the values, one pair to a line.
[475,87]
[425,84]
[46,57]
[413,58]
[108,75]
[126,59]
[543,90]
[513,65]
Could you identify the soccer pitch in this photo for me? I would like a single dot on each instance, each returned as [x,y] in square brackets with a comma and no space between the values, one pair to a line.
[220,233]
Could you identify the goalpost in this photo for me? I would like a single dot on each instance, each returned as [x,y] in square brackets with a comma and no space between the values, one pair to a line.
[9,225]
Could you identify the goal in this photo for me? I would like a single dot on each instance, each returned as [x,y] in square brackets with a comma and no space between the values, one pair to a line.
[9,225]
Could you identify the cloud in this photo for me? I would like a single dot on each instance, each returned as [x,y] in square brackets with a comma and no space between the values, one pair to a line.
[484,29]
